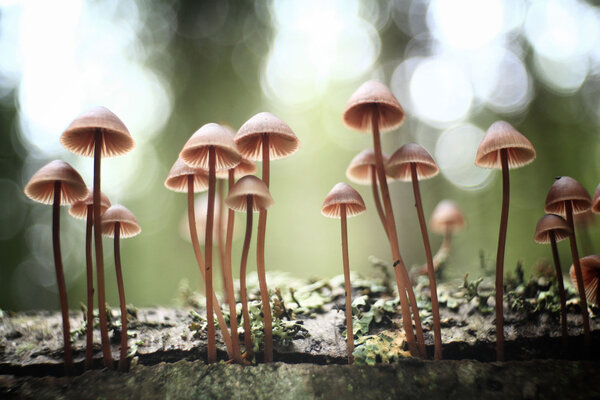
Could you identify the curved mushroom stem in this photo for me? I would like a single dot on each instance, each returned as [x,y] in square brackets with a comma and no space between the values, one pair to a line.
[200,262]
[376,198]
[222,262]
[89,334]
[243,293]
[399,268]
[500,258]
[210,320]
[60,279]
[435,308]
[561,291]
[121,288]
[229,281]
[106,351]
[348,288]
[580,287]
[439,257]
[260,258]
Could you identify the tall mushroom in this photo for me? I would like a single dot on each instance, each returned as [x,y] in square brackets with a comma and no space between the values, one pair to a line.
[211,148]
[567,197]
[342,202]
[373,107]
[185,179]
[265,137]
[57,183]
[412,162]
[118,222]
[503,147]
[84,209]
[98,133]
[590,271]
[552,229]
[248,194]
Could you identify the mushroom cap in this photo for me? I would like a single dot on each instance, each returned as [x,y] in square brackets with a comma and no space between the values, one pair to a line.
[40,187]
[79,137]
[596,200]
[446,216]
[342,194]
[79,208]
[359,170]
[590,271]
[551,223]
[373,100]
[245,167]
[177,180]
[282,140]
[502,135]
[398,166]
[566,189]
[195,151]
[129,225]
[249,185]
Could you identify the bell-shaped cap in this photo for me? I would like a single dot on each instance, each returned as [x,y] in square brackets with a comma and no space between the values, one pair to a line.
[590,271]
[596,200]
[249,185]
[195,151]
[373,100]
[128,223]
[80,136]
[342,194]
[502,135]
[245,167]
[446,217]
[40,187]
[177,180]
[566,189]
[359,170]
[551,223]
[399,164]
[79,209]
[282,140]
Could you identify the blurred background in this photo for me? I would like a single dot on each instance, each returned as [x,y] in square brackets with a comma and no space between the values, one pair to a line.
[168,67]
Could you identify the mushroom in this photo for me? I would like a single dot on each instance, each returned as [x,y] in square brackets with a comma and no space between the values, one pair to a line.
[211,147]
[265,137]
[374,107]
[412,162]
[57,183]
[183,178]
[590,272]
[84,209]
[567,197]
[98,133]
[341,202]
[248,194]
[551,229]
[503,147]
[118,222]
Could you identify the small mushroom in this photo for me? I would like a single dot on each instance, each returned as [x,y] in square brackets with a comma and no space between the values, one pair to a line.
[342,202]
[248,194]
[412,162]
[503,147]
[590,272]
[57,183]
[118,222]
[84,209]
[551,229]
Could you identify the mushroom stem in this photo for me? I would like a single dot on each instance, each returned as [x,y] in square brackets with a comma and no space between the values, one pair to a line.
[349,330]
[579,276]
[121,288]
[376,198]
[500,257]
[561,291]
[200,262]
[220,188]
[106,351]
[260,258]
[435,308]
[60,279]
[212,345]
[89,334]
[228,273]
[243,293]
[399,268]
